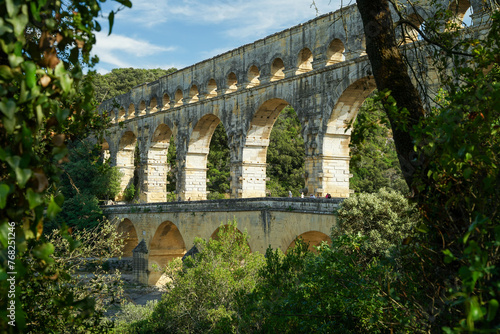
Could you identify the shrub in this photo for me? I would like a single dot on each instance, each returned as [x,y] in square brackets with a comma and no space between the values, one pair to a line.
[386,218]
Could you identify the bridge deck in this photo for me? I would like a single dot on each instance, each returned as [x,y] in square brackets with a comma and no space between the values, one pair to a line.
[305,205]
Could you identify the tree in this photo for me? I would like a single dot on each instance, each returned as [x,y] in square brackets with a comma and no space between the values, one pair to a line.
[45,102]
[448,157]
[374,162]
[285,155]
[218,164]
[122,80]
[207,290]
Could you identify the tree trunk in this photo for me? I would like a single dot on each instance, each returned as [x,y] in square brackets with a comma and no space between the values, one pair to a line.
[391,73]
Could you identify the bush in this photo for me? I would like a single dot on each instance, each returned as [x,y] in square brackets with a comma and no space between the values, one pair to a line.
[131,312]
[129,193]
[386,218]
[207,291]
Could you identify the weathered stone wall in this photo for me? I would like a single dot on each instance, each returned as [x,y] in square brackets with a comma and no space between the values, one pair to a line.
[319,68]
[169,229]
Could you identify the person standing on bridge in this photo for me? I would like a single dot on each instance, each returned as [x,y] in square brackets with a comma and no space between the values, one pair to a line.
[290,193]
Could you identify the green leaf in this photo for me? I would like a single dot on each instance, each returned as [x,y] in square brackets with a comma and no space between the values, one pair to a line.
[30,73]
[111,21]
[126,3]
[6,72]
[34,198]
[22,175]
[492,309]
[9,124]
[53,209]
[4,192]
[8,108]
[4,233]
[467,172]
[44,251]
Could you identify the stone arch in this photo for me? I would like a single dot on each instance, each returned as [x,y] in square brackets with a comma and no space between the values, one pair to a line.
[313,238]
[232,83]
[277,69]
[128,232]
[195,173]
[125,160]
[408,33]
[459,8]
[211,89]
[142,108]
[105,149]
[166,245]
[178,98]
[121,113]
[253,76]
[215,234]
[155,173]
[131,111]
[194,94]
[165,101]
[153,105]
[253,168]
[304,61]
[335,52]
[335,146]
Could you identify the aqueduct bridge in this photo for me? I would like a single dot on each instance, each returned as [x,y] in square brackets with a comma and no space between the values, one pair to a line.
[319,68]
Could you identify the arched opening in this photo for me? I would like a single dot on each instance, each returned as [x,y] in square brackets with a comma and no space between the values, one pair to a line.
[335,164]
[253,169]
[156,171]
[226,230]
[459,9]
[194,94]
[178,98]
[130,111]
[166,101]
[105,150]
[211,89]
[304,61]
[153,105]
[407,32]
[166,245]
[285,156]
[121,114]
[142,108]
[253,76]
[125,161]
[277,70]
[128,233]
[195,174]
[232,82]
[335,52]
[313,238]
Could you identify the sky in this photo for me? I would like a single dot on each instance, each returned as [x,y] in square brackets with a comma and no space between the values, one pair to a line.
[180,33]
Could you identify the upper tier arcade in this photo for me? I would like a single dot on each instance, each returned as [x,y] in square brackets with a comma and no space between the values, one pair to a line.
[319,68]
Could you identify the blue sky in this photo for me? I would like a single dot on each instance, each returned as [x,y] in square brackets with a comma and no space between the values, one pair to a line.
[180,33]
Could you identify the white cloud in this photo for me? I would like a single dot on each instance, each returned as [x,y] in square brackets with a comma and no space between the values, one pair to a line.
[243,18]
[115,49]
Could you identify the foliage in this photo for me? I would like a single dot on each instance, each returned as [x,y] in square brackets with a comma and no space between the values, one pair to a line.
[171,175]
[206,291]
[44,102]
[285,155]
[218,164]
[459,193]
[329,292]
[85,180]
[130,313]
[91,293]
[374,162]
[122,80]
[386,218]
[129,193]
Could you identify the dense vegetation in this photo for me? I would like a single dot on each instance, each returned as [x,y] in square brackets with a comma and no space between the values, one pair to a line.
[122,80]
